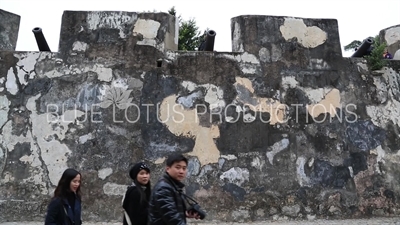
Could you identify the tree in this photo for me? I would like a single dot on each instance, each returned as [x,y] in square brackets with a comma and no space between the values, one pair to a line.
[189,35]
[354,44]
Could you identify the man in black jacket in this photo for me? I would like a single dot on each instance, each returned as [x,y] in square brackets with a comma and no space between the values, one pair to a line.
[167,204]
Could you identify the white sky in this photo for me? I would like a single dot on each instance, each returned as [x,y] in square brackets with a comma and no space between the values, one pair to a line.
[357,19]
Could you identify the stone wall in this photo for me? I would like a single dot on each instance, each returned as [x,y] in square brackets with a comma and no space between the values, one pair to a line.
[391,36]
[282,127]
[9,28]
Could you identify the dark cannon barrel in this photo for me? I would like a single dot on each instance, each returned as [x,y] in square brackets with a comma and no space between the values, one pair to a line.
[364,48]
[208,44]
[40,40]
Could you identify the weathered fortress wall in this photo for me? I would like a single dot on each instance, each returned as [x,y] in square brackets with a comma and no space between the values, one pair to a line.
[283,126]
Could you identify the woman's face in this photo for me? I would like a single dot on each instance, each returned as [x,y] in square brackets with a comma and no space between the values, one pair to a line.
[143,177]
[75,183]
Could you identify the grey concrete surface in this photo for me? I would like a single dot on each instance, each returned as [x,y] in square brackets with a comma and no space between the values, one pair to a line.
[372,221]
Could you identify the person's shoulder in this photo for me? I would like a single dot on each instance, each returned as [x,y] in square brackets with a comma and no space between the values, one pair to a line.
[162,183]
[55,201]
[132,189]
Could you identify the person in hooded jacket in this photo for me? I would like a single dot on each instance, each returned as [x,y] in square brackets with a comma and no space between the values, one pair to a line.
[136,198]
[65,206]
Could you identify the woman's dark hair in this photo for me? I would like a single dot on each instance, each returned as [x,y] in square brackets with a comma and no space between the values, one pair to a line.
[63,187]
[135,170]
[144,194]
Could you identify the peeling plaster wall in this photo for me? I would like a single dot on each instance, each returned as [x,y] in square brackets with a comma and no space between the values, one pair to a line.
[9,28]
[282,128]
[391,36]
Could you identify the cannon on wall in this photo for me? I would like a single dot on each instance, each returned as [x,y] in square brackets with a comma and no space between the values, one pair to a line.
[364,49]
[208,43]
[40,40]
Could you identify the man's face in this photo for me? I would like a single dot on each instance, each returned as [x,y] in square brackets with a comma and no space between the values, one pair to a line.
[178,170]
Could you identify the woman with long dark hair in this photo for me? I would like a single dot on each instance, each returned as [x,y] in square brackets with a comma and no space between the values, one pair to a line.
[65,206]
[135,201]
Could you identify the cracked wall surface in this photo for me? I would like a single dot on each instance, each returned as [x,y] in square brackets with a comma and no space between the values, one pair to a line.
[282,127]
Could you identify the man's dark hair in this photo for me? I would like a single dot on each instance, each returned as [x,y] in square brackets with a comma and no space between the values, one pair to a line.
[176,158]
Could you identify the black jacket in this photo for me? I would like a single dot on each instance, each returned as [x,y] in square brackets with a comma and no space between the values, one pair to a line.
[137,210]
[167,206]
[59,212]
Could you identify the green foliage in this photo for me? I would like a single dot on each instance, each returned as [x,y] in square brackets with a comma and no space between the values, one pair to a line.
[375,60]
[172,11]
[189,35]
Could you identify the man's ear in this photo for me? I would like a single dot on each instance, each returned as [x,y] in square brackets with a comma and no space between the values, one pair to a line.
[167,168]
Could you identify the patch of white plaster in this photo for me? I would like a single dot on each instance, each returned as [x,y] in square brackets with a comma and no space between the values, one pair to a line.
[26,66]
[2,81]
[4,107]
[114,189]
[248,63]
[229,157]
[247,58]
[329,104]
[188,101]
[301,175]
[362,67]
[170,55]
[319,64]
[79,46]
[190,86]
[104,173]
[11,84]
[99,19]
[316,95]
[264,55]
[2,152]
[214,95]
[381,89]
[380,153]
[276,148]
[392,35]
[289,82]
[176,38]
[381,115]
[351,171]
[160,160]
[44,128]
[104,74]
[396,55]
[236,175]
[148,28]
[257,163]
[7,178]
[240,215]
[309,37]
[9,141]
[84,138]
[236,40]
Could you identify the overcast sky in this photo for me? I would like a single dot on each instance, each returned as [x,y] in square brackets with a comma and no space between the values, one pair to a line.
[357,19]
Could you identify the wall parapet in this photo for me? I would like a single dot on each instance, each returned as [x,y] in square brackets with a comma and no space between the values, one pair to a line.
[277,129]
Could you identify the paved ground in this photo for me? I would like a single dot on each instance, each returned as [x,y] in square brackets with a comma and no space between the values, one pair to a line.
[375,221]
